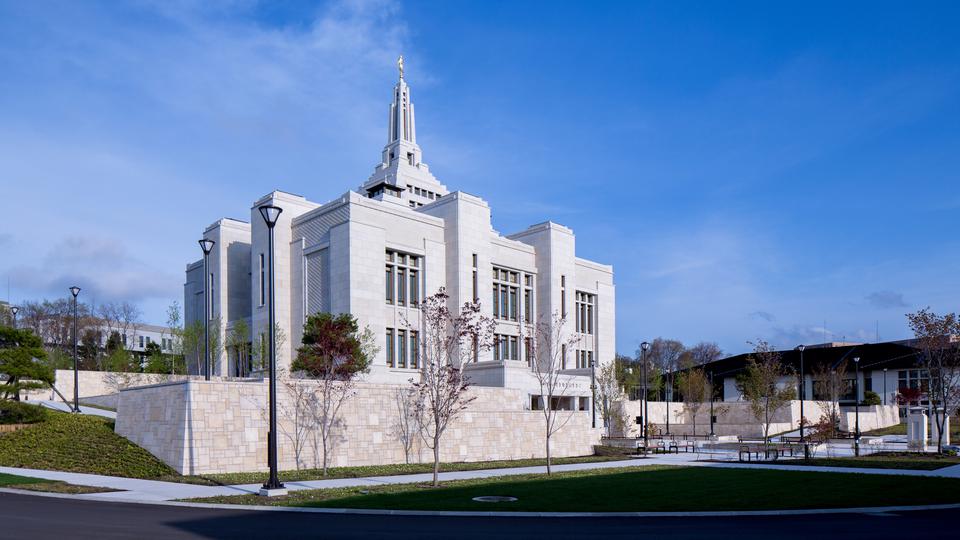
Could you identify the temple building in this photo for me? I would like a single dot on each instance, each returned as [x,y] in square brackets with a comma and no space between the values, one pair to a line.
[378,250]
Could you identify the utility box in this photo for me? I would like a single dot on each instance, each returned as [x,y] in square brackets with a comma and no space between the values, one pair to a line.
[917,430]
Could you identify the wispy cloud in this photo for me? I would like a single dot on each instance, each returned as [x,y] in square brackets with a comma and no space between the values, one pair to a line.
[762,316]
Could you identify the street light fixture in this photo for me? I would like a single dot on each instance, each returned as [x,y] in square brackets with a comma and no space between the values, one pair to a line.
[646,408]
[273,486]
[712,394]
[856,405]
[207,246]
[76,376]
[803,395]
[14,310]
[884,386]
[593,394]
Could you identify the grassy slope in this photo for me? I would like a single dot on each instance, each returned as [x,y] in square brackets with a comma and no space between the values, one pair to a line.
[647,489]
[13,480]
[78,443]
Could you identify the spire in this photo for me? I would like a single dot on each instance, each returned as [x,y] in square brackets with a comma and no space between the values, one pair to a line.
[401,165]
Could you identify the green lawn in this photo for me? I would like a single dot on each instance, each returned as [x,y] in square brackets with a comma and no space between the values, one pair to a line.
[883,460]
[901,429]
[649,489]
[78,443]
[382,470]
[49,486]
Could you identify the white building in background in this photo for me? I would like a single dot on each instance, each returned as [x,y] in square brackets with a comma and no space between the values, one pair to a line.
[378,250]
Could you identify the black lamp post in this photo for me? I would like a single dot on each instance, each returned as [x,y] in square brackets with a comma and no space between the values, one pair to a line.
[646,409]
[207,246]
[803,395]
[270,215]
[76,376]
[711,404]
[14,310]
[856,405]
[884,386]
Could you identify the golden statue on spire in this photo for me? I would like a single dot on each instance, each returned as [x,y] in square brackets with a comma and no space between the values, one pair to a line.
[400,65]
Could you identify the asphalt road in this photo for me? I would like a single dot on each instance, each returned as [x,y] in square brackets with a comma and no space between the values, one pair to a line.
[27,516]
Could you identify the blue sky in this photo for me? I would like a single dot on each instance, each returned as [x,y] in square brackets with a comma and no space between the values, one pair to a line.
[751,170]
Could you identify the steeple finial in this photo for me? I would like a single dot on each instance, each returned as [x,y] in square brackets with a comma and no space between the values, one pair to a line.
[400,65]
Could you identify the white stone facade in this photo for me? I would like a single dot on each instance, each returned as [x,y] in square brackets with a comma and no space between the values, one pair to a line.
[336,257]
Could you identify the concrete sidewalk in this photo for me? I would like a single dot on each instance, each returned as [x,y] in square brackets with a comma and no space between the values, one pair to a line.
[153,490]
[84,409]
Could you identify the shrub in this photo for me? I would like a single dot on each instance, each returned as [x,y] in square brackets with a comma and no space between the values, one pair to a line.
[16,412]
[871,398]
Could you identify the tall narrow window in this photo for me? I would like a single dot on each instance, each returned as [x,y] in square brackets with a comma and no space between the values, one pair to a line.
[414,349]
[210,307]
[401,348]
[263,282]
[414,287]
[389,283]
[475,294]
[563,356]
[585,312]
[401,286]
[389,348]
[528,351]
[563,296]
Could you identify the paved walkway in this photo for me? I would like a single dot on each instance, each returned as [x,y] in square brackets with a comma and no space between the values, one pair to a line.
[153,490]
[63,407]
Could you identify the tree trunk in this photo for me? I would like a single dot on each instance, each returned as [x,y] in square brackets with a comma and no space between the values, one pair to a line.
[436,461]
[548,452]
[323,438]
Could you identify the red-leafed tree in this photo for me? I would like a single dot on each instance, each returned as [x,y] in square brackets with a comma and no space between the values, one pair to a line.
[939,355]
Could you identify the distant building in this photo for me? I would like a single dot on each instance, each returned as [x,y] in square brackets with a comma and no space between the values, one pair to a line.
[885,368]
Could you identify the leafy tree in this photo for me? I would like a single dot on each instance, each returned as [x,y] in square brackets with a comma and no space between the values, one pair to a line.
[940,357]
[610,397]
[695,389]
[871,398]
[829,385]
[21,362]
[760,384]
[335,352]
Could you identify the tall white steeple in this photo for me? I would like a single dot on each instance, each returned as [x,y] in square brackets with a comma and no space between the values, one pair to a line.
[401,174]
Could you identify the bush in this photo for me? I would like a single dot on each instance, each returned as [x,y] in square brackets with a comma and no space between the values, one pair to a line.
[15,412]
[871,398]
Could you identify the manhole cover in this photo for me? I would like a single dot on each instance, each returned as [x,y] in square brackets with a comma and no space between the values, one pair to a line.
[494,498]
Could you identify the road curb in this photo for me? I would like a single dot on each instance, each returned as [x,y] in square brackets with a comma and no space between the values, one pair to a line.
[451,513]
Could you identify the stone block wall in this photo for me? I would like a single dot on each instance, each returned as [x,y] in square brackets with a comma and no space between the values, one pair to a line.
[200,427]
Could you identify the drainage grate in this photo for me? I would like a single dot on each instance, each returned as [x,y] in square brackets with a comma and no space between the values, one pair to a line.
[494,498]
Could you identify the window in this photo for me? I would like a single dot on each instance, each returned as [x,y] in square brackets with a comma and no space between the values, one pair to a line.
[389,348]
[528,351]
[414,349]
[584,312]
[506,293]
[210,314]
[584,404]
[402,348]
[505,347]
[402,278]
[263,282]
[527,298]
[563,296]
[584,359]
[141,342]
[563,356]
[475,295]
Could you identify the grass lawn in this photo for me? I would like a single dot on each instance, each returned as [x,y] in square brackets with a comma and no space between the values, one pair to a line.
[78,443]
[654,488]
[50,486]
[881,460]
[901,429]
[381,470]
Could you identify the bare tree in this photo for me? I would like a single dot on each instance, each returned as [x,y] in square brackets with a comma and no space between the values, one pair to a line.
[175,328]
[334,352]
[829,386]
[695,389]
[238,344]
[407,424]
[702,353]
[548,343]
[760,384]
[664,355]
[448,340]
[940,357]
[299,410]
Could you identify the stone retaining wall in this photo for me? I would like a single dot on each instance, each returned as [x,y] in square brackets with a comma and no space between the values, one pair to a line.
[200,427]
